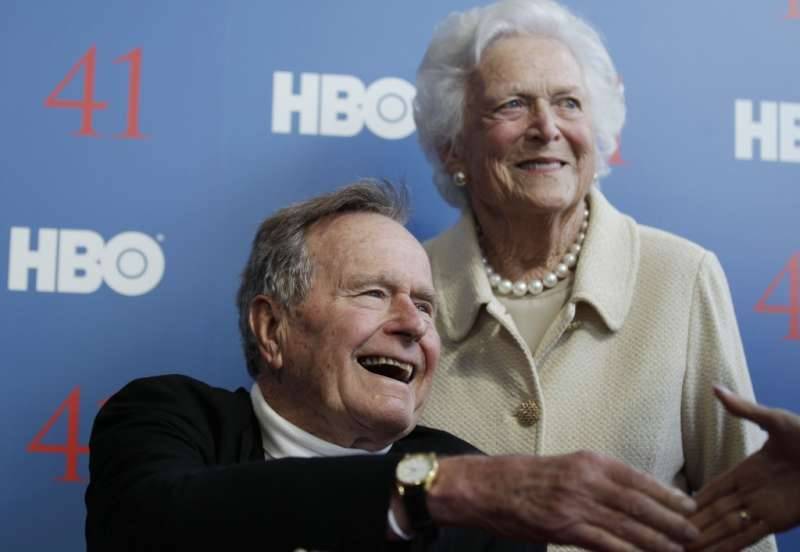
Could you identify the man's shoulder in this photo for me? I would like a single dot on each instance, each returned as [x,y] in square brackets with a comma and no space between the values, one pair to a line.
[182,399]
[180,388]
[427,439]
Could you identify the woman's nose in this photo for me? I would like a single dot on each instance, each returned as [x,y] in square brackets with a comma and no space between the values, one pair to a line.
[542,125]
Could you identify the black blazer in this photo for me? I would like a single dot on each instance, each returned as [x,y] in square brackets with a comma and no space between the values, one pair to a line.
[178,465]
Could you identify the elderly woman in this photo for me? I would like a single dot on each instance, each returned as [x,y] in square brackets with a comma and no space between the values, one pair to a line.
[565,324]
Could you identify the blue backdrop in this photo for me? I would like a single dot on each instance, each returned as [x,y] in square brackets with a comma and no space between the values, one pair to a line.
[153,137]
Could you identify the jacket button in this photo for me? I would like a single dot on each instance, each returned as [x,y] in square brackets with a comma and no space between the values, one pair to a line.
[528,413]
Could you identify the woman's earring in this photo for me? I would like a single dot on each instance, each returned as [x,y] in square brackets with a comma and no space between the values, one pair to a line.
[459,179]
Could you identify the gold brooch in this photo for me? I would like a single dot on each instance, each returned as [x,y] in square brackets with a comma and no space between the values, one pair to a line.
[528,413]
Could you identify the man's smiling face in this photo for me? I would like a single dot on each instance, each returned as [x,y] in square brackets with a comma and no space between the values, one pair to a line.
[361,349]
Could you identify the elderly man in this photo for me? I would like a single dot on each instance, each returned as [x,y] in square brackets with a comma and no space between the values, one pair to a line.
[336,314]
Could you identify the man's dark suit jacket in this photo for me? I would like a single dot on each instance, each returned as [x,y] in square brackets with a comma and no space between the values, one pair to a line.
[178,465]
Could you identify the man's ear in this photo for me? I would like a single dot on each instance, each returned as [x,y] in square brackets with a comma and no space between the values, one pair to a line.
[267,318]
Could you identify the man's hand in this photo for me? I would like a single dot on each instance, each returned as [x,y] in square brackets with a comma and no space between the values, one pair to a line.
[582,499]
[759,496]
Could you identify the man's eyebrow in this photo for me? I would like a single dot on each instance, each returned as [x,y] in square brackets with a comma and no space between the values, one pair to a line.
[382,279]
[364,280]
[427,294]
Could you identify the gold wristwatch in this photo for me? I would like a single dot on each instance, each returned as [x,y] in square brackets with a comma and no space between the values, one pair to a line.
[415,475]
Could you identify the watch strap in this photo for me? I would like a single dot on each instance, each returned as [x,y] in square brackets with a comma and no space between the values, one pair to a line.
[415,502]
[414,497]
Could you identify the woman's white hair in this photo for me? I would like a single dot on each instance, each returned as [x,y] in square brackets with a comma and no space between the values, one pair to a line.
[456,49]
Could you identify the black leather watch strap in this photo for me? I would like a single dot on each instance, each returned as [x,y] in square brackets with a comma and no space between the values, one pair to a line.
[415,502]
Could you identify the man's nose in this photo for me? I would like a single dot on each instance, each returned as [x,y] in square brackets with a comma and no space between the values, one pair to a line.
[407,320]
[542,125]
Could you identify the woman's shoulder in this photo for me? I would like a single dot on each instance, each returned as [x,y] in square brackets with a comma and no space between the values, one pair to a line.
[669,254]
[452,239]
[453,252]
[662,242]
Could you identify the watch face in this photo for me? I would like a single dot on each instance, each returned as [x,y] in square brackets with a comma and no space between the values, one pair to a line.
[414,469]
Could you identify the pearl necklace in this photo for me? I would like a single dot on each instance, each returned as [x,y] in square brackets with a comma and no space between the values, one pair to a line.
[504,286]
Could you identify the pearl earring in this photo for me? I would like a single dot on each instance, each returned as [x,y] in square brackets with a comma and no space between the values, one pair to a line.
[459,179]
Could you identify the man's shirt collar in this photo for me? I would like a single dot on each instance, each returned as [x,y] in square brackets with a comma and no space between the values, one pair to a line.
[283,439]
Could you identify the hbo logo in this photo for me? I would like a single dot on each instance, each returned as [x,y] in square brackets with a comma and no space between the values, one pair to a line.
[777,132]
[78,261]
[340,105]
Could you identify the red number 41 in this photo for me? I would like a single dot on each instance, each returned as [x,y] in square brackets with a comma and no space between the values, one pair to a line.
[791,272]
[87,104]
[794,9]
[72,448]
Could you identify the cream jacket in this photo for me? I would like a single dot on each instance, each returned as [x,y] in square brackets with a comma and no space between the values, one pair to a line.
[626,368]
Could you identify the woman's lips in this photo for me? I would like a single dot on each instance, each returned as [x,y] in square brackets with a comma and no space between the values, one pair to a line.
[541,165]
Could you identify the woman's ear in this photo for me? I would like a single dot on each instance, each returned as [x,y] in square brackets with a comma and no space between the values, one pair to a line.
[266,319]
[451,158]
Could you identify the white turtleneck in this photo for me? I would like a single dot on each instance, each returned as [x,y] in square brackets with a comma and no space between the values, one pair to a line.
[283,439]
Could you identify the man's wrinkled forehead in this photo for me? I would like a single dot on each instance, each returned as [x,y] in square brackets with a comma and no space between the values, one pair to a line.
[370,246]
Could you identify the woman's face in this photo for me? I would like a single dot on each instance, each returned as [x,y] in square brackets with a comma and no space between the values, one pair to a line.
[527,143]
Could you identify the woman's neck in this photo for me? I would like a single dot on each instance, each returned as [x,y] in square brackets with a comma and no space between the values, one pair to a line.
[527,246]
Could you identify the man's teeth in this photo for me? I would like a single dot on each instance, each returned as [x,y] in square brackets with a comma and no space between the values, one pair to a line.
[371,361]
[540,165]
[389,367]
